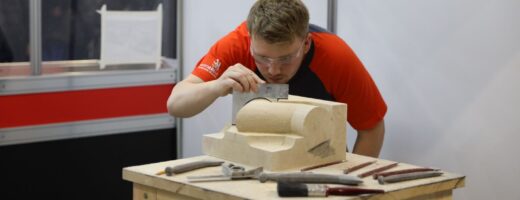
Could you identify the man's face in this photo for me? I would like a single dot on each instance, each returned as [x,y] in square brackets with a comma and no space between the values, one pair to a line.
[279,62]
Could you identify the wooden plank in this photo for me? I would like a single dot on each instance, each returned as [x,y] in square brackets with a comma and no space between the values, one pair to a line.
[165,195]
[429,188]
[142,192]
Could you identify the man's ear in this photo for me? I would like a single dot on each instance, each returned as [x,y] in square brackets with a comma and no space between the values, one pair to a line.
[308,42]
[308,39]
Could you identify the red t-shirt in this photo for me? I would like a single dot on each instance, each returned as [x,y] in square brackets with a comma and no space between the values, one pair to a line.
[329,71]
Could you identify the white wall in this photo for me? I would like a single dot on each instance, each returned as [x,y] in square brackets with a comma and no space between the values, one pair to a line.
[205,21]
[449,71]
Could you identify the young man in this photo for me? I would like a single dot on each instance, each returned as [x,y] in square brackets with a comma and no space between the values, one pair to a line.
[278,45]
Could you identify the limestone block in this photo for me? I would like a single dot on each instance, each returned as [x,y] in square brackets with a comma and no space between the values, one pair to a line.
[287,134]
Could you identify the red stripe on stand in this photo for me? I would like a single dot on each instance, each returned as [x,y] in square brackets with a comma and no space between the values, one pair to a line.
[69,106]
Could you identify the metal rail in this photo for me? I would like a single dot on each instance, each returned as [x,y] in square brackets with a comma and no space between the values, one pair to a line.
[35,32]
[332,15]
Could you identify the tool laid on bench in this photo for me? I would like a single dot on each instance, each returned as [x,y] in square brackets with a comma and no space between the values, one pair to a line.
[357,167]
[289,189]
[229,172]
[169,171]
[377,170]
[407,176]
[322,165]
[234,172]
[307,177]
[403,171]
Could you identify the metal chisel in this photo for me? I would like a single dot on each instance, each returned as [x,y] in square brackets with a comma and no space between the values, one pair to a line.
[305,177]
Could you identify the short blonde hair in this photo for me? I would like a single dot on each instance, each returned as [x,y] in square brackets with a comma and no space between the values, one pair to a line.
[278,21]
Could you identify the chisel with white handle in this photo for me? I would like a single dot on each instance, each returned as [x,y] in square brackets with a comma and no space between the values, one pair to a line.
[305,177]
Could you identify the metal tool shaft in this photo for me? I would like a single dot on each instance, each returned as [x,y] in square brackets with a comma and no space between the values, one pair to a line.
[208,178]
[229,172]
[302,177]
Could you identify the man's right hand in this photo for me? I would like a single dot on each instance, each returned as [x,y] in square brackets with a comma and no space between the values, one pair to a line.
[238,78]
[192,95]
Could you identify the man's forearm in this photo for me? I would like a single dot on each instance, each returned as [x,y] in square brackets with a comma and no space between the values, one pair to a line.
[369,142]
[188,99]
[192,95]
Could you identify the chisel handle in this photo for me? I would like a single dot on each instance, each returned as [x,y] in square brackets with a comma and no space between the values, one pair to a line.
[191,166]
[310,178]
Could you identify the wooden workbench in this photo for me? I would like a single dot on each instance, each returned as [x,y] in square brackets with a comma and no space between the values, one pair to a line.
[147,185]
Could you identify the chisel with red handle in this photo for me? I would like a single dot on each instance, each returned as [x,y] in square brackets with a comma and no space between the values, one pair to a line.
[291,189]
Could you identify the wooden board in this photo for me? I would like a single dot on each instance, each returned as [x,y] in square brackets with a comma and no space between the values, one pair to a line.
[144,176]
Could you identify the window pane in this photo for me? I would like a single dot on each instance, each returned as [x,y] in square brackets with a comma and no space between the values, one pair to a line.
[14,31]
[71,34]
[71,28]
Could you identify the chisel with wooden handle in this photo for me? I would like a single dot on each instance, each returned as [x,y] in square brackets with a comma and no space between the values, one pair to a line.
[288,189]
[305,177]
[403,171]
[408,176]
[169,171]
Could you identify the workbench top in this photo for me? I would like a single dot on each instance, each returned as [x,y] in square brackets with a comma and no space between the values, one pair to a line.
[148,185]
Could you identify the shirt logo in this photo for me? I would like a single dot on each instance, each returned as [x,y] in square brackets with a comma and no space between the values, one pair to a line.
[211,69]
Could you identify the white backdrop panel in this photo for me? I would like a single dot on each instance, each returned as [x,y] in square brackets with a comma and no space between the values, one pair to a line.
[449,73]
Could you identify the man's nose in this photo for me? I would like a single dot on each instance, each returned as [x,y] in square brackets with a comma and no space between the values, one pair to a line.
[274,68]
